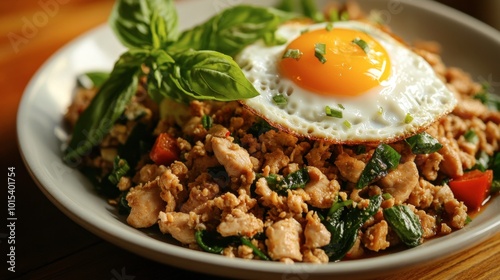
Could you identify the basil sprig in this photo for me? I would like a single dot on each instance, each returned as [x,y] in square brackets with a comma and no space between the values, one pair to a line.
[196,65]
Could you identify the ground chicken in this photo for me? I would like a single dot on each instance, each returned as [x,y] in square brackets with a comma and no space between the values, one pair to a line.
[284,240]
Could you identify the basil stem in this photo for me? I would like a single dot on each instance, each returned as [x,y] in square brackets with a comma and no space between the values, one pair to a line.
[245,241]
[383,160]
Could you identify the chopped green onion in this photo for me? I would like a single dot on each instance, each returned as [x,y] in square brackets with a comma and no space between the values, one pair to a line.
[471,136]
[293,53]
[486,97]
[362,44]
[120,169]
[329,26]
[386,196]
[333,112]
[341,106]
[344,16]
[408,118]
[347,124]
[280,99]
[303,31]
[206,121]
[335,15]
[320,51]
[380,111]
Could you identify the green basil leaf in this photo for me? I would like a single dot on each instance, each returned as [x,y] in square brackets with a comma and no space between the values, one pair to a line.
[210,75]
[101,184]
[208,242]
[260,127]
[293,181]
[93,79]
[213,242]
[105,108]
[495,165]
[160,65]
[405,223]
[145,23]
[383,160]
[423,143]
[489,99]
[232,30]
[286,5]
[123,207]
[344,223]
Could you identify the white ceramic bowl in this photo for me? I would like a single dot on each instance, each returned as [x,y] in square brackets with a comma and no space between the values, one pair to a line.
[466,43]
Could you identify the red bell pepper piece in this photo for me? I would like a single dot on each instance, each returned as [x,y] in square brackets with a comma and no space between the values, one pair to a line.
[472,188]
[165,150]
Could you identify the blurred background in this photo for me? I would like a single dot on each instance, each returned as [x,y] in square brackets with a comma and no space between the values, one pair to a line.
[484,10]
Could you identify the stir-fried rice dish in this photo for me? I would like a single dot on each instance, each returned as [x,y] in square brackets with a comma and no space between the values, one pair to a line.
[293,134]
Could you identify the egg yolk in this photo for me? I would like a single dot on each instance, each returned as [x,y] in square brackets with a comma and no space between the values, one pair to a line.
[353,62]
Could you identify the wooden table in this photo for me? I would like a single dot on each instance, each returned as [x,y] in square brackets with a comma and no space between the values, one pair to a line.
[51,246]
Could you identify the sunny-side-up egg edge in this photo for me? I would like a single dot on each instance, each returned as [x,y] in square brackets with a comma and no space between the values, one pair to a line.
[408,102]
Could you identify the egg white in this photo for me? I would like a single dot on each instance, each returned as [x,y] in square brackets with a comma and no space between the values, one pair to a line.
[376,116]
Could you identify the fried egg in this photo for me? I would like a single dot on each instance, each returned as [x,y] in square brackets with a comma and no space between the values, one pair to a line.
[347,82]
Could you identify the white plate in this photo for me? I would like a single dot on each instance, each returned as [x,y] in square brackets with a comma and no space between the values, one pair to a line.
[466,43]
